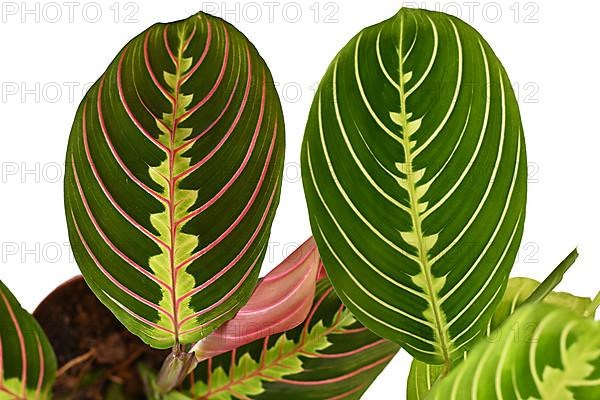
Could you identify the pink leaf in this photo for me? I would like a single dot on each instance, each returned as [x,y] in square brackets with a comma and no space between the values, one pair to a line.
[280,302]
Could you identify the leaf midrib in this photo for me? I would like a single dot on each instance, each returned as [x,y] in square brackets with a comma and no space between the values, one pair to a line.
[172,152]
[415,213]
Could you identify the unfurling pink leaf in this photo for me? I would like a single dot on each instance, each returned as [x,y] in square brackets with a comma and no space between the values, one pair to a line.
[280,302]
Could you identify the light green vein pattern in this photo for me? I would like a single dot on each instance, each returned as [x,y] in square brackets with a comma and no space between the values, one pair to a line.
[424,376]
[542,352]
[414,170]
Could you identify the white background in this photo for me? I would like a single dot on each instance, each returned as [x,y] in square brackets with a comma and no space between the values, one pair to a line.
[51,52]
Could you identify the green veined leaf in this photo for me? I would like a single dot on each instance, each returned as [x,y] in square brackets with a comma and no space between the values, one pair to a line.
[414,170]
[541,352]
[173,176]
[27,361]
[330,356]
[423,376]
[519,291]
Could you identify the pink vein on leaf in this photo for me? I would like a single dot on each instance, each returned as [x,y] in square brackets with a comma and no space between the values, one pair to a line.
[151,71]
[204,53]
[133,118]
[220,77]
[243,213]
[239,171]
[231,264]
[192,141]
[42,360]
[233,125]
[105,190]
[340,378]
[113,247]
[118,284]
[21,338]
[114,152]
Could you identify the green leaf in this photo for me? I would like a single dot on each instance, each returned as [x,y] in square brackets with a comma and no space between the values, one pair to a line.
[542,352]
[553,279]
[414,170]
[421,379]
[590,311]
[173,176]
[518,293]
[330,356]
[27,360]
[115,392]
[423,376]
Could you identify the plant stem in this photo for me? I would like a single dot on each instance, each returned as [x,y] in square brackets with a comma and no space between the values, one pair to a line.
[175,368]
[555,277]
[591,310]
[446,370]
[75,362]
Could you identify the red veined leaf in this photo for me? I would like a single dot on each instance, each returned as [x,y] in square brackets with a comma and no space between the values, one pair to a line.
[329,356]
[280,302]
[27,361]
[173,176]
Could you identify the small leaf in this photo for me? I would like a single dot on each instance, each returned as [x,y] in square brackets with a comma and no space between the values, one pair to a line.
[280,302]
[27,360]
[553,279]
[518,293]
[590,311]
[542,352]
[329,356]
[423,376]
[175,368]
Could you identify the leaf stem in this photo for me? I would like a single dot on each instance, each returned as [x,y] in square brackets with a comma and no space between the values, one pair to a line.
[592,308]
[175,368]
[555,277]
[445,370]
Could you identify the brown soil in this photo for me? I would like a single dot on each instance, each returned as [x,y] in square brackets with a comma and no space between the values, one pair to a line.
[94,351]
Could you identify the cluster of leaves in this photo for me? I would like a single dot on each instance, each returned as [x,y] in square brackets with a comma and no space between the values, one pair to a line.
[330,355]
[414,168]
[518,293]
